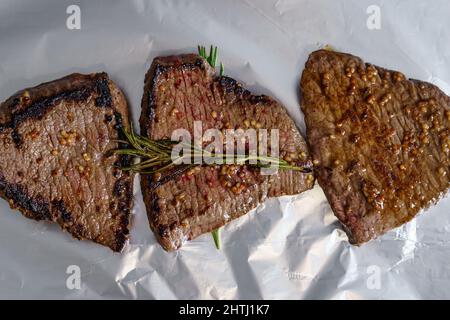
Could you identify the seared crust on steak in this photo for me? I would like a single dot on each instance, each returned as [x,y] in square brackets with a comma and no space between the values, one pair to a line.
[181,204]
[380,141]
[53,141]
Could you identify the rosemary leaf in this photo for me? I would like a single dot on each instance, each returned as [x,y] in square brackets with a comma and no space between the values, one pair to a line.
[211,58]
[216,236]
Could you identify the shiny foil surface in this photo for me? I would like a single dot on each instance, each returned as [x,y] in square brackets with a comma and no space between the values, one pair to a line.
[290,247]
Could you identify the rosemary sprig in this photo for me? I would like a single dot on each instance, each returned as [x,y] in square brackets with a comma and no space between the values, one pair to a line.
[156,155]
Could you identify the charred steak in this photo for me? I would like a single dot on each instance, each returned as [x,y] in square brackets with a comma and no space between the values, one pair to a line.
[380,141]
[185,204]
[53,140]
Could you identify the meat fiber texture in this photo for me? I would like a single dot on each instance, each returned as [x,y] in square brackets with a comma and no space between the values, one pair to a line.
[187,203]
[54,140]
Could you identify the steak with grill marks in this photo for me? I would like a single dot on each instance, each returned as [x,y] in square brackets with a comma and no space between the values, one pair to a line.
[187,203]
[53,140]
[380,141]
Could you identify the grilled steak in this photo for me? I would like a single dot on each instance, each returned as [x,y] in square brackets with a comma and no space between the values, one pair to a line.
[53,138]
[380,141]
[184,204]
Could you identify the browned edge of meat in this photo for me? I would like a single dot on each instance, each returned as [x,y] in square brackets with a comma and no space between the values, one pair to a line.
[159,67]
[32,107]
[224,94]
[380,142]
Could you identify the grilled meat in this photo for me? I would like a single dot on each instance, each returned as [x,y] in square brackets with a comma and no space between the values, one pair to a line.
[380,141]
[53,140]
[184,204]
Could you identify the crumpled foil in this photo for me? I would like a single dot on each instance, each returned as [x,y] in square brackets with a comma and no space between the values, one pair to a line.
[290,248]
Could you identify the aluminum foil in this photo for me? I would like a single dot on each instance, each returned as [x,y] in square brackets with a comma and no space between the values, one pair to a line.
[290,248]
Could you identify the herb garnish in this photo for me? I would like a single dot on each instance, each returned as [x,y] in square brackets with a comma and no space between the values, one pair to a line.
[216,236]
[156,155]
[211,58]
